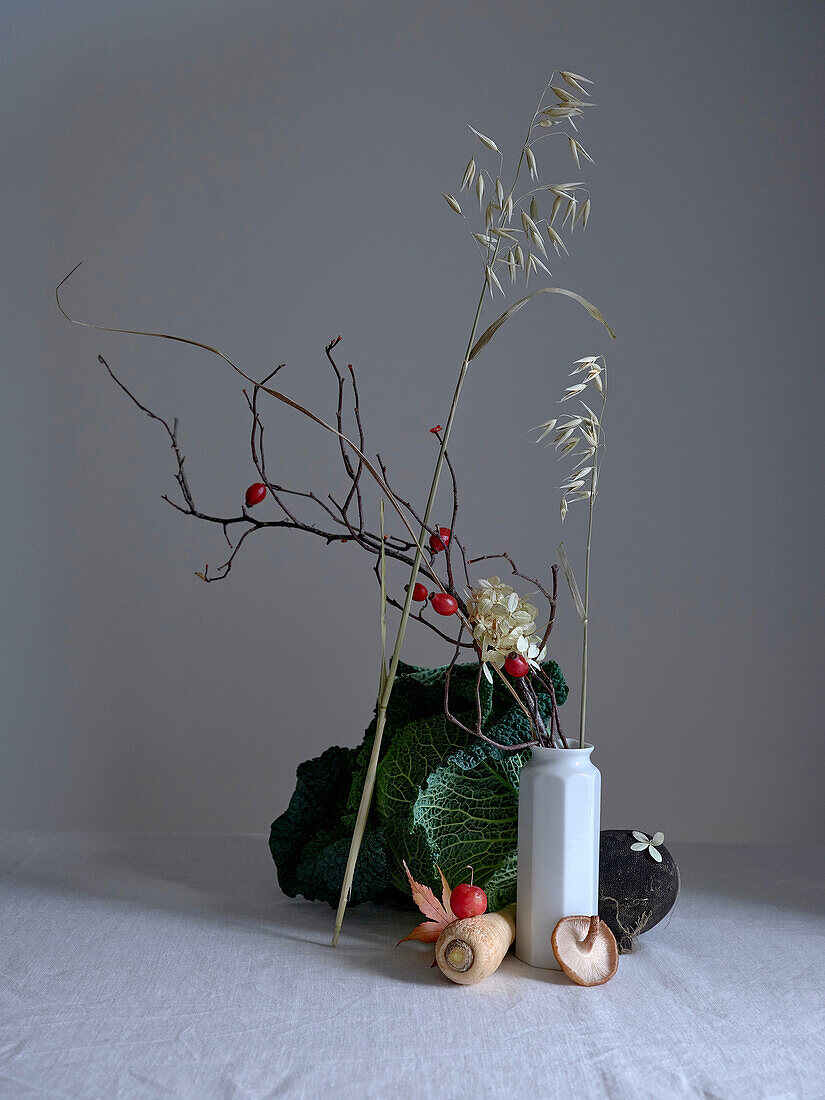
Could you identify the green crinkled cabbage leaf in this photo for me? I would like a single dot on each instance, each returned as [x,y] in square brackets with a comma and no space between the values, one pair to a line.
[309,842]
[442,797]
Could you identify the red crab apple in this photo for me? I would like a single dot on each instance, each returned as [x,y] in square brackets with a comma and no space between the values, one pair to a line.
[516,665]
[467,900]
[255,493]
[439,542]
[444,604]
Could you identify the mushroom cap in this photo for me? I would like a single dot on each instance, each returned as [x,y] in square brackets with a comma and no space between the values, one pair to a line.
[585,949]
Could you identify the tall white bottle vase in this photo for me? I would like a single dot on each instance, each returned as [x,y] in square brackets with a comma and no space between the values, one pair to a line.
[558,847]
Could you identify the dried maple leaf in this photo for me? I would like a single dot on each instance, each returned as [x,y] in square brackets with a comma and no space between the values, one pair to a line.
[438,913]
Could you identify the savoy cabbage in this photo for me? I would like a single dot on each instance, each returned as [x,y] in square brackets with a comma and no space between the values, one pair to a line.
[442,797]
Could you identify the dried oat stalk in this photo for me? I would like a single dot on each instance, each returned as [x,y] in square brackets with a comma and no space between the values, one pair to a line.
[579,439]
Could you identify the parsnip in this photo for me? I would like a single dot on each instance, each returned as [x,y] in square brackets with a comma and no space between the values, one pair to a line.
[471,949]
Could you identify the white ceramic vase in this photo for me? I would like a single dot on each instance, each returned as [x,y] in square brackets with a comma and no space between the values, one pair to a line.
[558,847]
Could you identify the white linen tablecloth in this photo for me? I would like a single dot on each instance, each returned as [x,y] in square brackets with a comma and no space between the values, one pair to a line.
[156,965]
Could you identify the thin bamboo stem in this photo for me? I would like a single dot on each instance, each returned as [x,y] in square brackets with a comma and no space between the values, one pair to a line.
[384,697]
[386,692]
[360,825]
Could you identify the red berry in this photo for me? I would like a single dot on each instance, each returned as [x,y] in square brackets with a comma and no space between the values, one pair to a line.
[444,604]
[516,665]
[255,494]
[420,593]
[468,901]
[440,543]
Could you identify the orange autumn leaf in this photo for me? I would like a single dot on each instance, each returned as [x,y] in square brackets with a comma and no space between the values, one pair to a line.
[427,932]
[438,913]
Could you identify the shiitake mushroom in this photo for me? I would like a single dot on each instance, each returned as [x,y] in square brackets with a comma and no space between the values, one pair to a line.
[585,949]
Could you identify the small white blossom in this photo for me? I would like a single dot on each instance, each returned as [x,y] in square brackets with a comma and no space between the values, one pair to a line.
[648,843]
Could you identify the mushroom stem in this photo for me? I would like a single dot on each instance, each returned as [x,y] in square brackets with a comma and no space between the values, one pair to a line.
[471,949]
[592,934]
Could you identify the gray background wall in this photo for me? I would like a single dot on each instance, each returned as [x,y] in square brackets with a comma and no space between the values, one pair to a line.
[264,176]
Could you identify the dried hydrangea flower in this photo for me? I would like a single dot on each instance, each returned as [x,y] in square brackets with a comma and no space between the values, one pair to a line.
[503,623]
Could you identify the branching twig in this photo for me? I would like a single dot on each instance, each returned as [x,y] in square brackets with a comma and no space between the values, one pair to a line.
[478,731]
[341,525]
[551,597]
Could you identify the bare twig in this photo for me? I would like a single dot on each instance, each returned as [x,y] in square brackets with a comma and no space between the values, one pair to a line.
[478,731]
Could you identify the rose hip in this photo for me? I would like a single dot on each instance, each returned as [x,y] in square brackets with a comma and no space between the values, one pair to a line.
[516,665]
[444,604]
[255,494]
[439,542]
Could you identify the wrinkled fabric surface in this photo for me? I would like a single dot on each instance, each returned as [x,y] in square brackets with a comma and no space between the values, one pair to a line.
[155,965]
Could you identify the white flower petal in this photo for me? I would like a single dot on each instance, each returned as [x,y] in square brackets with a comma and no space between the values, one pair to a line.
[641,836]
